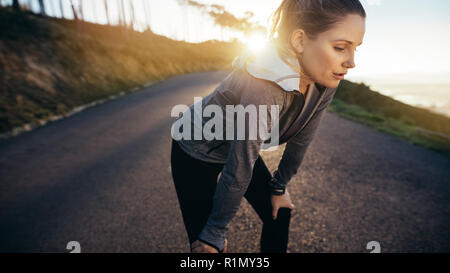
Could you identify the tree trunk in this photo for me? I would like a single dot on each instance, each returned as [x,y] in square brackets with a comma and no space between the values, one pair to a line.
[61,8]
[119,16]
[16,5]
[133,18]
[42,7]
[122,13]
[81,10]
[107,13]
[75,16]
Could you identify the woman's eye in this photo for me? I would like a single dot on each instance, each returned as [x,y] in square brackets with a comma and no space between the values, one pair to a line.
[338,48]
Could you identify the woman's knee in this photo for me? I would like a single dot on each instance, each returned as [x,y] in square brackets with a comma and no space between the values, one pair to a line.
[283,218]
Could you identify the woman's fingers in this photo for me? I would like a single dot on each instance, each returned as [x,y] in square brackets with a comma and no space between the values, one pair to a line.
[281,201]
[274,213]
[199,247]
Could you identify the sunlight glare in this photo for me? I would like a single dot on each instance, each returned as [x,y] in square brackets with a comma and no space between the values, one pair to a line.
[255,42]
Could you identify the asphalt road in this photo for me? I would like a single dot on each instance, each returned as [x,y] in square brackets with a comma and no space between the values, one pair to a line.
[102,178]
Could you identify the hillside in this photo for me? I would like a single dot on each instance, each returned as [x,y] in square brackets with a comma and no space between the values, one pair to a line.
[50,66]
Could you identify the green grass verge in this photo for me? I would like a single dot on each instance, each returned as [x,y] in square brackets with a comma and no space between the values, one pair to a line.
[400,128]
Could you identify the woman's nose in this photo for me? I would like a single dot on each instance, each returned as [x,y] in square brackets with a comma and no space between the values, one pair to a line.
[350,63]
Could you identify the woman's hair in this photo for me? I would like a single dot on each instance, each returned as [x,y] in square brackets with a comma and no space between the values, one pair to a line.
[313,16]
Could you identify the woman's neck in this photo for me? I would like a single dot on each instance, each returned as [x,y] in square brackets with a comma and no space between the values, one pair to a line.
[305,80]
[304,85]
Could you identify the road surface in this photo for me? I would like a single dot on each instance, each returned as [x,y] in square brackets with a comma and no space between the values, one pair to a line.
[102,178]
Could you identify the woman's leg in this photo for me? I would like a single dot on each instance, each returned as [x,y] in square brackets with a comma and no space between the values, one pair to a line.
[195,183]
[275,233]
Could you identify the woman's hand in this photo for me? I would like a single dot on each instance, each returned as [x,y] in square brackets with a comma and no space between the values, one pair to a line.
[200,247]
[281,201]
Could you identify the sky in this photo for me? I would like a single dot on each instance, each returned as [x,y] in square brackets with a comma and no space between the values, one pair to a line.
[406,37]
[403,38]
[406,41]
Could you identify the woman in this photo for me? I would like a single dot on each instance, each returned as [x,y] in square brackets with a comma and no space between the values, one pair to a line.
[312,45]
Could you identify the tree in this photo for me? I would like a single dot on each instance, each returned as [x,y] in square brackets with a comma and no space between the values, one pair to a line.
[225,19]
[107,13]
[61,8]
[42,7]
[81,7]
[74,11]
[16,5]
[133,18]
[122,13]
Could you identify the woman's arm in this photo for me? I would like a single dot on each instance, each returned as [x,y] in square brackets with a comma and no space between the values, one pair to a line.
[231,187]
[297,146]
[238,170]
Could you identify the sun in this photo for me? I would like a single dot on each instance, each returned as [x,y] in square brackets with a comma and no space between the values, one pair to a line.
[255,42]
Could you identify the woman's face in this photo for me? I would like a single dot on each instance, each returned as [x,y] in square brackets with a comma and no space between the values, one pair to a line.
[333,51]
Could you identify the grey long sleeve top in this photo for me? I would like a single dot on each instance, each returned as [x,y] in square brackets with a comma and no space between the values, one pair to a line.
[238,156]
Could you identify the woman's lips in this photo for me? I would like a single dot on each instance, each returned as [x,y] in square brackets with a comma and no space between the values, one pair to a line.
[338,76]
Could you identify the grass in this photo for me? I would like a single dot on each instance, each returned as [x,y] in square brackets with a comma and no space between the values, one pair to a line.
[418,126]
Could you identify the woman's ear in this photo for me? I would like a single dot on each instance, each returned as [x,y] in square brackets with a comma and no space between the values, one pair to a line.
[298,38]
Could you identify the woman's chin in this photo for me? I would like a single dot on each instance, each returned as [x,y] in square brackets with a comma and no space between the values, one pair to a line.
[330,83]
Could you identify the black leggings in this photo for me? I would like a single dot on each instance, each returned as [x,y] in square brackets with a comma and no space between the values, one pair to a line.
[195,183]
